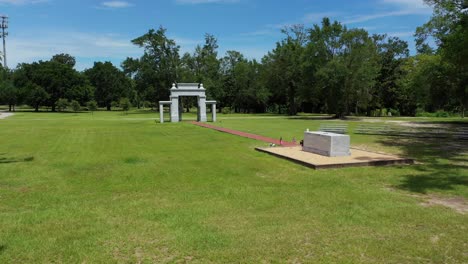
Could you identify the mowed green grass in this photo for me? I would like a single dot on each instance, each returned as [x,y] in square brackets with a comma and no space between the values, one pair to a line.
[108,187]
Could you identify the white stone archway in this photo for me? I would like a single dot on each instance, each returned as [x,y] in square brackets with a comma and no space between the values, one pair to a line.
[187,89]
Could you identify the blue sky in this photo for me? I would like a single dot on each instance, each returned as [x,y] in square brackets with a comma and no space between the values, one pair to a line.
[94,30]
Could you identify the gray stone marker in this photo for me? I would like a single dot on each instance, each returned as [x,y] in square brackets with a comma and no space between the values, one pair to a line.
[326,144]
[187,89]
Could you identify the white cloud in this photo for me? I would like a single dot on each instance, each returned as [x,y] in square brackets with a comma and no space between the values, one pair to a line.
[410,8]
[116,4]
[81,45]
[23,2]
[412,4]
[195,2]
[86,47]
[394,8]
[364,18]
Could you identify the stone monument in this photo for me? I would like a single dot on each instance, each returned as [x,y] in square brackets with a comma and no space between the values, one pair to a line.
[187,89]
[326,144]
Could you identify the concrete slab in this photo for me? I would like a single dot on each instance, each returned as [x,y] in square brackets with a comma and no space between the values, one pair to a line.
[357,158]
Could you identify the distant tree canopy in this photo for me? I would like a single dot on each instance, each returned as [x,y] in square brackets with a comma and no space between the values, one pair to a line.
[156,69]
[43,83]
[327,68]
[110,83]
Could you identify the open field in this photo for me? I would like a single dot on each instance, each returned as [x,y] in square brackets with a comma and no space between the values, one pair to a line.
[109,187]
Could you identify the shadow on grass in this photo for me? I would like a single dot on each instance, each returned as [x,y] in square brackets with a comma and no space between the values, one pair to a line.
[142,111]
[312,118]
[441,178]
[2,248]
[444,162]
[6,160]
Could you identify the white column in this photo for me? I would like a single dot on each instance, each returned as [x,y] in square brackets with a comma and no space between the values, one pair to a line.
[161,113]
[202,109]
[181,109]
[213,112]
[175,109]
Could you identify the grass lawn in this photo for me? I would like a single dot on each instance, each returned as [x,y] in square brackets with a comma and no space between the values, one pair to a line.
[108,187]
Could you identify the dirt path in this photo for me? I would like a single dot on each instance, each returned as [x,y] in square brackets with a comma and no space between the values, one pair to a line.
[246,135]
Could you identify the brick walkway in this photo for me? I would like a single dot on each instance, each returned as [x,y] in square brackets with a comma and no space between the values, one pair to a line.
[246,135]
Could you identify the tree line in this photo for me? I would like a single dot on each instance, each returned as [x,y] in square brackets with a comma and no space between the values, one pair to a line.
[327,68]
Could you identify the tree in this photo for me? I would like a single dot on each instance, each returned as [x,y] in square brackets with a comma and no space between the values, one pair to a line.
[283,64]
[343,65]
[231,91]
[9,94]
[319,59]
[392,54]
[75,105]
[92,106]
[56,78]
[82,90]
[426,78]
[207,66]
[65,59]
[362,68]
[156,70]
[110,83]
[36,96]
[448,27]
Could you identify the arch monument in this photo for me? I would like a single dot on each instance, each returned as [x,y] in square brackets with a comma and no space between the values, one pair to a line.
[187,89]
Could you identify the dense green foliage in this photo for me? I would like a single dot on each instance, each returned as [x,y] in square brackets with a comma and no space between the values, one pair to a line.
[110,83]
[327,68]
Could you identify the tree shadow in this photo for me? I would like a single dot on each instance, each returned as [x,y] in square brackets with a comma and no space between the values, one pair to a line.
[441,178]
[143,112]
[6,160]
[2,248]
[428,150]
[312,118]
[443,162]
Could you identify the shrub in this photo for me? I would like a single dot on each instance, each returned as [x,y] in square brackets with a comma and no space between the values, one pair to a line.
[75,106]
[226,110]
[441,113]
[62,104]
[114,104]
[92,106]
[125,104]
[147,104]
[394,112]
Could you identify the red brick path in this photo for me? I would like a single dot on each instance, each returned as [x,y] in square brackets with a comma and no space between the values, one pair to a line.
[246,135]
